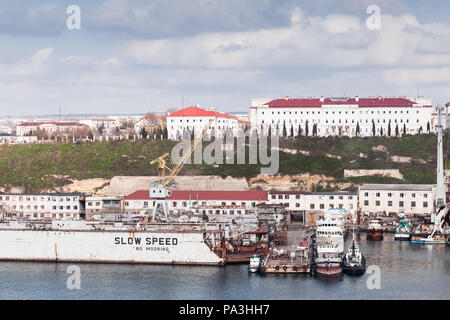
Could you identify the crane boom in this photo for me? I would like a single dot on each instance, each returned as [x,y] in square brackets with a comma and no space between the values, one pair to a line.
[174,172]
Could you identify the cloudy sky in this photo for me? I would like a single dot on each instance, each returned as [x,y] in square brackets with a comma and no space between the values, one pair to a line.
[134,56]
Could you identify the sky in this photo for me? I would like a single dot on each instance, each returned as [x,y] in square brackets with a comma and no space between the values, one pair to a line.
[136,56]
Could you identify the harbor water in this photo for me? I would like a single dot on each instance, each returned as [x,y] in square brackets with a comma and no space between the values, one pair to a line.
[407,271]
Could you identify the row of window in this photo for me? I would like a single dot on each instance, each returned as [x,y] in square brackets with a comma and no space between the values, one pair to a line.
[400,203]
[341,112]
[22,198]
[28,207]
[401,194]
[297,196]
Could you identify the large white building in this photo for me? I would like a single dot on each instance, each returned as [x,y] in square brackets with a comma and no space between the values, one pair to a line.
[50,128]
[195,119]
[342,116]
[43,206]
[307,202]
[396,198]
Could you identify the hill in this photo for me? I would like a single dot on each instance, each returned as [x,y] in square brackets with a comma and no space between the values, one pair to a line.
[39,167]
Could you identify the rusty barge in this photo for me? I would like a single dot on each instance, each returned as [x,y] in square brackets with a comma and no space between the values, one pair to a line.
[81,241]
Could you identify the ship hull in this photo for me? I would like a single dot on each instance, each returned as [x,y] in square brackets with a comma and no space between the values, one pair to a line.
[374,235]
[328,271]
[356,270]
[107,247]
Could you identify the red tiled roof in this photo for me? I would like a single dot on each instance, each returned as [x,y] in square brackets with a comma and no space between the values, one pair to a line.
[199,112]
[362,102]
[205,195]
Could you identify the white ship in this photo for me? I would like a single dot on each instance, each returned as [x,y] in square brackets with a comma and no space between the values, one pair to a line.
[80,241]
[330,230]
[329,244]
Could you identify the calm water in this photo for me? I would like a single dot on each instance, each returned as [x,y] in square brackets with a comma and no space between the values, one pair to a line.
[407,272]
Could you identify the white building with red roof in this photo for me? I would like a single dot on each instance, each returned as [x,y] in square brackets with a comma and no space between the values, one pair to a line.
[342,116]
[195,119]
[231,202]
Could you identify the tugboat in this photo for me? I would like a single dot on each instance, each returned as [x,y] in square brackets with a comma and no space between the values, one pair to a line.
[374,231]
[354,260]
[255,264]
[403,231]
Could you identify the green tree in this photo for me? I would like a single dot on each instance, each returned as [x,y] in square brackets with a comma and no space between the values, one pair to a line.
[404,129]
[143,133]
[389,128]
[284,130]
[299,131]
[373,128]
[306,128]
[396,130]
[357,128]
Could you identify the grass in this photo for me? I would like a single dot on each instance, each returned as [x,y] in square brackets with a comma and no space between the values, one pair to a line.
[40,167]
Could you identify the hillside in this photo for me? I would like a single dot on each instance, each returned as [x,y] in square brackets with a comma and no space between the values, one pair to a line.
[42,167]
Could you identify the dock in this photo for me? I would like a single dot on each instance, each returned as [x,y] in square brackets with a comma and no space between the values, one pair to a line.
[293,257]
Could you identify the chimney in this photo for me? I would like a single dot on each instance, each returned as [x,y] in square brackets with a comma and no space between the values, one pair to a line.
[322,99]
[356,98]
[286,98]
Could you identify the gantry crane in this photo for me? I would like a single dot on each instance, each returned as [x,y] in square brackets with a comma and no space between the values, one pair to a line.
[159,190]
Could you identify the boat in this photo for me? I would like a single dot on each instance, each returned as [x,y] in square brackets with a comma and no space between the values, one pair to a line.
[431,239]
[330,230]
[403,231]
[328,260]
[124,242]
[374,230]
[354,260]
[255,264]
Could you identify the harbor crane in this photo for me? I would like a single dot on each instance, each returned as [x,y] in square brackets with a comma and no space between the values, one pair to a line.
[159,190]
[442,213]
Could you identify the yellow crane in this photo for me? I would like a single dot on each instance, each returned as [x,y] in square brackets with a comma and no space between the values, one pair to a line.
[159,190]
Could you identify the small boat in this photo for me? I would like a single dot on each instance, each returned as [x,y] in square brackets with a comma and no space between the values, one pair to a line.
[429,240]
[403,231]
[354,260]
[374,231]
[255,264]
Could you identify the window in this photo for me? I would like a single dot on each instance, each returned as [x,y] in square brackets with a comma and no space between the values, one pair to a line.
[378,194]
[413,204]
[390,203]
[402,195]
[366,194]
[390,194]
[377,203]
[425,204]
[311,206]
[322,206]
[400,204]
